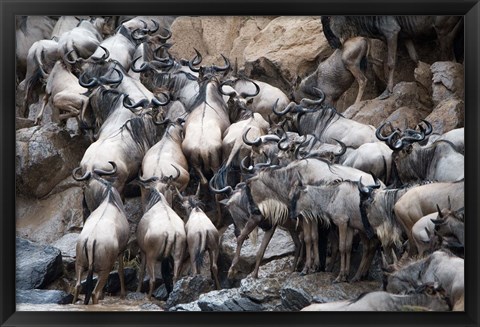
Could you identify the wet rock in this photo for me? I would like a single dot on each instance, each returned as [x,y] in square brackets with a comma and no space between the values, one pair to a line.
[375,111]
[286,48]
[280,245]
[36,265]
[188,289]
[227,300]
[150,307]
[161,293]
[113,283]
[135,296]
[299,291]
[37,296]
[447,80]
[48,219]
[45,155]
[447,115]
[67,245]
[192,306]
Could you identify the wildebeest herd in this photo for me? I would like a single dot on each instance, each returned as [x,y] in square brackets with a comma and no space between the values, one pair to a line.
[208,147]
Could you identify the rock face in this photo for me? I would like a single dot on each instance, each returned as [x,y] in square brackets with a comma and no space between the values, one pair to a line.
[280,245]
[188,289]
[43,297]
[45,156]
[37,265]
[67,245]
[447,80]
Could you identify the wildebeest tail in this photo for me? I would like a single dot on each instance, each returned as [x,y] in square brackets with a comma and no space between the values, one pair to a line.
[200,249]
[167,273]
[89,283]
[332,39]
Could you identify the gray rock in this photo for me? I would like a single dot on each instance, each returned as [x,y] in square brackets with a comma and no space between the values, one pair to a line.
[188,289]
[135,296]
[192,306]
[447,115]
[113,283]
[37,296]
[150,307]
[280,245]
[161,293]
[448,81]
[45,156]
[227,300]
[36,265]
[67,245]
[299,291]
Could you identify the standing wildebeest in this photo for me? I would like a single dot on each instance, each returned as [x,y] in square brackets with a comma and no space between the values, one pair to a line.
[103,240]
[202,235]
[429,297]
[440,266]
[390,29]
[336,74]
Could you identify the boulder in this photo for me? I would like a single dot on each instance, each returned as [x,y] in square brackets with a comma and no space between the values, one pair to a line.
[43,297]
[192,306]
[447,115]
[227,300]
[37,265]
[375,111]
[289,46]
[299,291]
[67,245]
[45,155]
[47,220]
[113,283]
[406,116]
[448,81]
[189,288]
[280,245]
[423,75]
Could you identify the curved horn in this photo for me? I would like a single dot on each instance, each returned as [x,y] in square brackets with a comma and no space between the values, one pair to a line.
[257,90]
[375,180]
[155,27]
[255,142]
[107,172]
[244,167]
[81,178]
[223,68]
[127,103]
[164,45]
[267,138]
[179,195]
[343,150]
[317,102]
[106,80]
[169,34]
[362,188]
[227,189]
[439,212]
[197,194]
[138,37]
[230,94]
[67,59]
[142,68]
[263,164]
[429,127]
[87,84]
[378,132]
[105,55]
[148,180]
[281,141]
[195,61]
[284,111]
[157,103]
[399,144]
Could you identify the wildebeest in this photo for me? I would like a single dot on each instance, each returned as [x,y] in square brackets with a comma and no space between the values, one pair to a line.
[422,200]
[442,267]
[449,231]
[103,240]
[160,235]
[336,74]
[202,235]
[429,297]
[391,29]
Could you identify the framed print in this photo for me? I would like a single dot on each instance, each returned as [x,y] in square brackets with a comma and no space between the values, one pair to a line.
[188,163]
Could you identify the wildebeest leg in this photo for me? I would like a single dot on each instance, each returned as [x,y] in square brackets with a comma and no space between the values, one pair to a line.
[333,237]
[391,35]
[348,252]
[342,244]
[179,254]
[151,260]
[352,59]
[307,240]
[142,271]
[298,246]
[121,275]
[38,119]
[251,224]
[213,254]
[261,251]
[79,271]
[98,290]
[368,252]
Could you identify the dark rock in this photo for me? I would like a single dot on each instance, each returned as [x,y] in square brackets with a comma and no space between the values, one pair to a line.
[67,245]
[45,156]
[188,289]
[161,293]
[43,296]
[37,265]
[113,283]
[227,300]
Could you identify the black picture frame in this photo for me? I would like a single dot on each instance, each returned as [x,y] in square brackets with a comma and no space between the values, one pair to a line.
[10,8]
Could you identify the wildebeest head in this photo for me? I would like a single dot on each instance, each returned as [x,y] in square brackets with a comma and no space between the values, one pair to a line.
[449,231]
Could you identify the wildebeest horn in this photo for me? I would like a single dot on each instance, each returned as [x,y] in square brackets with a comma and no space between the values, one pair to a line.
[255,142]
[127,103]
[107,172]
[362,188]
[257,90]
[106,80]
[67,59]
[223,68]
[284,111]
[230,94]
[105,55]
[157,103]
[375,180]
[195,61]
[155,27]
[244,167]
[343,148]
[139,36]
[140,69]
[168,36]
[166,46]
[439,212]
[179,195]
[227,189]
[378,132]
[394,257]
[318,102]
[384,261]
[282,140]
[87,84]
[81,178]
[269,137]
[429,127]
[399,144]
[264,164]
